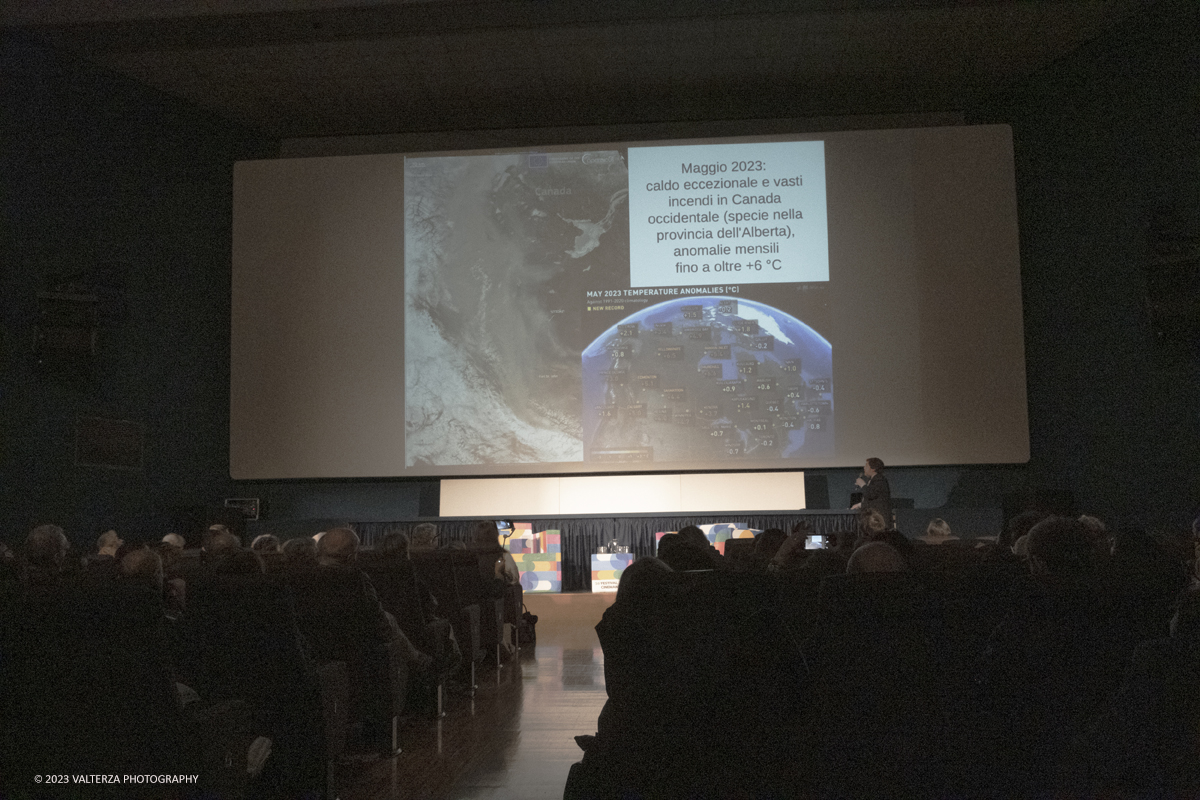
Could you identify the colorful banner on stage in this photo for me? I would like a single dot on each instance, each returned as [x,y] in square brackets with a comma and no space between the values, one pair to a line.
[607,569]
[718,533]
[538,557]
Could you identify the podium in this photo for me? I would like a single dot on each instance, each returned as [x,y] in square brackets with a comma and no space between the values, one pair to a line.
[607,569]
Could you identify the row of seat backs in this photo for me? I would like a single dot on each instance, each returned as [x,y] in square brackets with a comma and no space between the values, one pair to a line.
[395,582]
[456,579]
[838,636]
[336,611]
[339,614]
[86,684]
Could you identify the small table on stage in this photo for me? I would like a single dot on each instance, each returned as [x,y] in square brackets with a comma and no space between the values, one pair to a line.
[607,569]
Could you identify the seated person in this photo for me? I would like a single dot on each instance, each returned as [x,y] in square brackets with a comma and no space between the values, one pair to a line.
[299,552]
[46,554]
[870,523]
[424,537]
[338,548]
[143,566]
[689,549]
[266,543]
[393,549]
[103,563]
[1144,743]
[937,532]
[767,543]
[175,540]
[485,539]
[876,557]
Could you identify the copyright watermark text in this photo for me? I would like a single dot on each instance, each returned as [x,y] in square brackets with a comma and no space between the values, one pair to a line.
[117,779]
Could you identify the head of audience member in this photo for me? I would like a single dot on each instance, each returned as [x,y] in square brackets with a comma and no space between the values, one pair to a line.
[108,544]
[338,547]
[484,535]
[219,539]
[242,562]
[394,545]
[266,543]
[937,528]
[46,548]
[681,555]
[1101,538]
[170,555]
[876,557]
[898,541]
[1094,525]
[667,540]
[1017,527]
[222,544]
[1062,547]
[143,566]
[641,581]
[870,522]
[174,540]
[300,552]
[209,533]
[1021,547]
[424,537]
[692,536]
[767,543]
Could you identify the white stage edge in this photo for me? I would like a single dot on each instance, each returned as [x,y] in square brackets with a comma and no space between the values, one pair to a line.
[623,494]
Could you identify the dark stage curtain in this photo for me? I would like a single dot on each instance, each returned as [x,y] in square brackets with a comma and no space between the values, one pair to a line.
[581,536]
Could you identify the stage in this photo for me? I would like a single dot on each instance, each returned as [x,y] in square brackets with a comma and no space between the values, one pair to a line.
[583,535]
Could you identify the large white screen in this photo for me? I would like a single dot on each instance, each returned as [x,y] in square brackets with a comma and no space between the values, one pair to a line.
[703,305]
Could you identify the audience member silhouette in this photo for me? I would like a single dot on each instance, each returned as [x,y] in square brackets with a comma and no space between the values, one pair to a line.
[266,543]
[876,557]
[47,557]
[338,549]
[938,532]
[143,566]
[424,537]
[485,540]
[766,545]
[1146,743]
[299,552]
[689,549]
[1053,661]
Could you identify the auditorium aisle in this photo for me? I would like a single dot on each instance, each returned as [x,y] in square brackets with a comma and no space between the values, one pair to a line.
[516,738]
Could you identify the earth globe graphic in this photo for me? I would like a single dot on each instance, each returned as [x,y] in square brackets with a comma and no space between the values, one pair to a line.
[707,378]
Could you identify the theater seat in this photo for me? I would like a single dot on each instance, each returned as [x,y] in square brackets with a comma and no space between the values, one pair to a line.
[252,650]
[339,615]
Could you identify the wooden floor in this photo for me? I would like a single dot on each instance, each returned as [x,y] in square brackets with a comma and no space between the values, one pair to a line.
[515,738]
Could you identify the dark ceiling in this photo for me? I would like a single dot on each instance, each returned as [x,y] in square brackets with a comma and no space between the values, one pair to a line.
[298,68]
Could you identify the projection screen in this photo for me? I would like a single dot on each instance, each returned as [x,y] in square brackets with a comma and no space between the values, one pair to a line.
[731,304]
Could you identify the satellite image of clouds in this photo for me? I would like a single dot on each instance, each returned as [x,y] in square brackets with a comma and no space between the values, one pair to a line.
[497,250]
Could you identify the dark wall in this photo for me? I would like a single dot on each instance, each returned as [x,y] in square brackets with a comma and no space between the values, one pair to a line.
[131,190]
[1108,161]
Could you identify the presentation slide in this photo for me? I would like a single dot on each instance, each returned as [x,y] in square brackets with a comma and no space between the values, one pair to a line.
[631,307]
